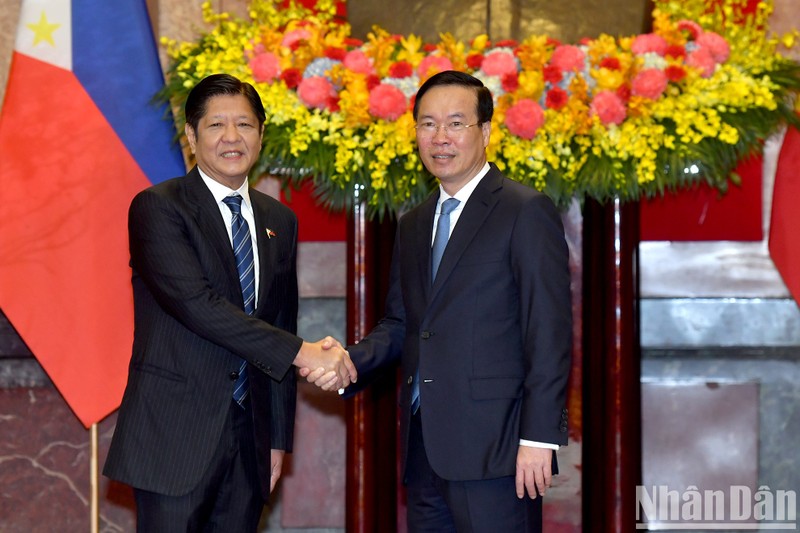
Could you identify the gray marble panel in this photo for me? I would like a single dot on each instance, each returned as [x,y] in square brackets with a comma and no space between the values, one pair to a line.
[777,374]
[693,322]
[322,269]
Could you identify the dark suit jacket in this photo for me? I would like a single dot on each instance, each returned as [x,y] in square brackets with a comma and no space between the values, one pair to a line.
[191,330]
[491,336]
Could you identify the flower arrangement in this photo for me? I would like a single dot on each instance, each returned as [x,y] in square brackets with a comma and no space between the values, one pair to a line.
[607,117]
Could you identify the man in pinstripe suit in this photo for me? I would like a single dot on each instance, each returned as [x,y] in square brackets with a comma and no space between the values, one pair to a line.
[198,459]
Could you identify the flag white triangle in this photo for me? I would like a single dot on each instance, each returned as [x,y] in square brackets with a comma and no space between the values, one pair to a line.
[45,31]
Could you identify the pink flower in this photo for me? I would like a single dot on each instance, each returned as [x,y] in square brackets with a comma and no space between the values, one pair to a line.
[316,91]
[568,58]
[608,107]
[649,42]
[387,102]
[499,64]
[524,118]
[357,61]
[650,83]
[692,27]
[701,59]
[431,65]
[265,67]
[292,38]
[717,46]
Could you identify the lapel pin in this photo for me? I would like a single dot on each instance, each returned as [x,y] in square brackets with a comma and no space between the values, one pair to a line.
[270,234]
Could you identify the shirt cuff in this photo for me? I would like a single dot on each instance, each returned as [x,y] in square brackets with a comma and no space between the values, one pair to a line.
[535,444]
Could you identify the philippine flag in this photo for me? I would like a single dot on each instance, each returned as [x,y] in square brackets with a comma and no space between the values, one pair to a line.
[78,139]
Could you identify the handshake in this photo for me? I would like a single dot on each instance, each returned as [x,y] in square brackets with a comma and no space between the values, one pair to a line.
[326,364]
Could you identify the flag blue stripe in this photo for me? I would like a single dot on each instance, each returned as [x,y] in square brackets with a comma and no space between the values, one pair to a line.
[116,60]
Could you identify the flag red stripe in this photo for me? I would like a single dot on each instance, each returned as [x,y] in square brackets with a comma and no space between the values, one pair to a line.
[67,184]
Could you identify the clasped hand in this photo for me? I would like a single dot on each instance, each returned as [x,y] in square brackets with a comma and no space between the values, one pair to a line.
[331,364]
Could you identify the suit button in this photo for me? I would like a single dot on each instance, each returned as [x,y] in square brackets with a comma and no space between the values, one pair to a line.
[234,376]
[410,379]
[426,335]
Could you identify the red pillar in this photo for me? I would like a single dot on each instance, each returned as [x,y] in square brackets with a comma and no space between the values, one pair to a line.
[612,366]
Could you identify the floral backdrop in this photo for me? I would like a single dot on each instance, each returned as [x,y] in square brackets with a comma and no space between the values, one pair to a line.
[605,117]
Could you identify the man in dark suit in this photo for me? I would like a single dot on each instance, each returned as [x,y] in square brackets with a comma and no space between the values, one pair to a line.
[208,412]
[484,339]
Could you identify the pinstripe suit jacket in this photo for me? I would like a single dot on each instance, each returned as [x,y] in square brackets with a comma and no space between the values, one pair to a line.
[191,330]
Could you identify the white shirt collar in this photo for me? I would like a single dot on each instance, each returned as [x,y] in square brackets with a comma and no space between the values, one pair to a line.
[220,191]
[464,192]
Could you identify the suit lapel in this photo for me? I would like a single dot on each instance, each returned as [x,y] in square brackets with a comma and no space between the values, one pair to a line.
[423,232]
[478,207]
[210,221]
[266,253]
[208,218]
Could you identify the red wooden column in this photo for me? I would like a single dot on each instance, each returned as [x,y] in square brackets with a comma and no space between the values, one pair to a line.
[612,366]
[371,498]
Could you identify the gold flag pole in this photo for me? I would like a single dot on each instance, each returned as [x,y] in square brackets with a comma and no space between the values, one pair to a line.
[94,482]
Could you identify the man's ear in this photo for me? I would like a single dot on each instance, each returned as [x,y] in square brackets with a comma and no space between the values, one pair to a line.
[190,136]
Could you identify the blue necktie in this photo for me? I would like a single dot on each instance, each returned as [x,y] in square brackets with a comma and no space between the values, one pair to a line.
[243,251]
[437,251]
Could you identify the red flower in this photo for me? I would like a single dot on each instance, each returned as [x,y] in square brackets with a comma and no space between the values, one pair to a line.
[291,77]
[333,103]
[474,61]
[401,69]
[552,74]
[387,102]
[524,118]
[650,83]
[624,92]
[353,42]
[335,53]
[675,73]
[373,81]
[675,50]
[507,43]
[608,107]
[556,98]
[429,47]
[553,42]
[510,82]
[611,63]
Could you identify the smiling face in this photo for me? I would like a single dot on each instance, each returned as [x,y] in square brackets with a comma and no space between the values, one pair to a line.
[454,158]
[227,141]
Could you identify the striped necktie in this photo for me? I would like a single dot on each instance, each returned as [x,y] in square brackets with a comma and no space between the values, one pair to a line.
[243,252]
